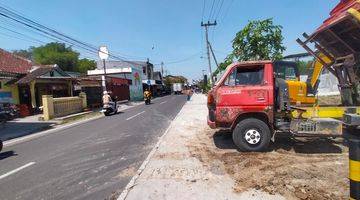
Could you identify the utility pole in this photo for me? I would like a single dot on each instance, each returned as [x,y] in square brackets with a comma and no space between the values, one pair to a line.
[148,73]
[162,68]
[206,25]
[213,54]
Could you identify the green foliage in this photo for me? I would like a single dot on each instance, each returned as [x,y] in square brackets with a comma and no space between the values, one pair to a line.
[56,53]
[85,64]
[222,66]
[304,67]
[169,80]
[259,40]
[24,53]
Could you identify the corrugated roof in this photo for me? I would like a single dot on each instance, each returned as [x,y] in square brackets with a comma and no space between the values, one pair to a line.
[39,71]
[12,63]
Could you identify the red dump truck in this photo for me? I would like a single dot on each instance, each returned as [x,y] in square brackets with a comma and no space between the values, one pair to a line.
[254,104]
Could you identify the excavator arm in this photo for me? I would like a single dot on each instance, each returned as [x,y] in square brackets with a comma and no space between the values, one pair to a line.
[318,68]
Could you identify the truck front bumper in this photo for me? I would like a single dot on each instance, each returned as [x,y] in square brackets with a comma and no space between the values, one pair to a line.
[211,124]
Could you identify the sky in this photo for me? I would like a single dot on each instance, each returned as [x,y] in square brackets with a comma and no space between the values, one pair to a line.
[163,30]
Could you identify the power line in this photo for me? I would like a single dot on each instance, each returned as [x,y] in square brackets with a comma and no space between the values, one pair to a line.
[227,10]
[4,28]
[221,4]
[19,38]
[53,33]
[181,60]
[214,11]
[203,10]
[211,10]
[28,29]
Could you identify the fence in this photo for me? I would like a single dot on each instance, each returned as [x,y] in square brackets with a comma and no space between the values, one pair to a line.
[58,107]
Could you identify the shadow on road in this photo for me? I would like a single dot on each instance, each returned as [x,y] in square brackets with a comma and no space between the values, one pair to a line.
[118,113]
[14,129]
[223,140]
[7,154]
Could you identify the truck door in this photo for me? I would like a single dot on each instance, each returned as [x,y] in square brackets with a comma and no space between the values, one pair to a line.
[246,89]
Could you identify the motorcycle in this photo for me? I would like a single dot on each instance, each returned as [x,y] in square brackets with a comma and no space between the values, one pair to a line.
[147,100]
[8,111]
[110,109]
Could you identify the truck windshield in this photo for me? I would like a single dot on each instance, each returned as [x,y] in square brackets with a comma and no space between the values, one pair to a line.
[245,76]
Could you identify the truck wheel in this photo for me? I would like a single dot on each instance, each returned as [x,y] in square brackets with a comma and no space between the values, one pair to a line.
[251,135]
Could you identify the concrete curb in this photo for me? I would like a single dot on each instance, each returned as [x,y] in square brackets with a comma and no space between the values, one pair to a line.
[131,184]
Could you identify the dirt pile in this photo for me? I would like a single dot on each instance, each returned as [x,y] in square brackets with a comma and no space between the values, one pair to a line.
[295,169]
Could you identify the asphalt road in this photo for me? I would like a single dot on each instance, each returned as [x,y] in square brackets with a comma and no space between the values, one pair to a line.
[90,161]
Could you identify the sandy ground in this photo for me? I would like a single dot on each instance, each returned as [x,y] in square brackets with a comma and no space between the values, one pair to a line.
[195,162]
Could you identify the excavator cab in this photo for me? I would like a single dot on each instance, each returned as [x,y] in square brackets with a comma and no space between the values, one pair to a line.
[298,90]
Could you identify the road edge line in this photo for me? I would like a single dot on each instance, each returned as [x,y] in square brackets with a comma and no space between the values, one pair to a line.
[32,136]
[131,183]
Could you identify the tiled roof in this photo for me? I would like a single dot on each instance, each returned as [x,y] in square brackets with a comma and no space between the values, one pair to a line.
[12,63]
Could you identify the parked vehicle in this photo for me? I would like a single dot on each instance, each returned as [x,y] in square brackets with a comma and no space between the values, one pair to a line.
[3,116]
[255,105]
[8,111]
[177,88]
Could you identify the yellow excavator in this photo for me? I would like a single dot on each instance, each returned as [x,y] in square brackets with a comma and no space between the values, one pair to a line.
[301,93]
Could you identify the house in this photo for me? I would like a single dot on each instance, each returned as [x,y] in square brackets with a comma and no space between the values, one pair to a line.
[44,80]
[132,71]
[12,67]
[158,88]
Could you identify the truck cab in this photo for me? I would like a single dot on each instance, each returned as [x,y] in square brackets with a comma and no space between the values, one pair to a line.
[243,101]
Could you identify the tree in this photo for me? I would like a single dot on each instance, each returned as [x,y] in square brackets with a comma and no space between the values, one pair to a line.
[56,53]
[222,66]
[305,67]
[24,53]
[169,80]
[85,64]
[258,40]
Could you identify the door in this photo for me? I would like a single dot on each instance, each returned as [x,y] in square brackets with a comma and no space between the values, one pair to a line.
[246,89]
[25,95]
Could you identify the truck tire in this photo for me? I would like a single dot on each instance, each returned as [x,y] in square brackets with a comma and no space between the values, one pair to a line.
[251,135]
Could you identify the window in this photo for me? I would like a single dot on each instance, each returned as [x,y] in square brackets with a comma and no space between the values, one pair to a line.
[286,70]
[246,76]
[290,74]
[230,81]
